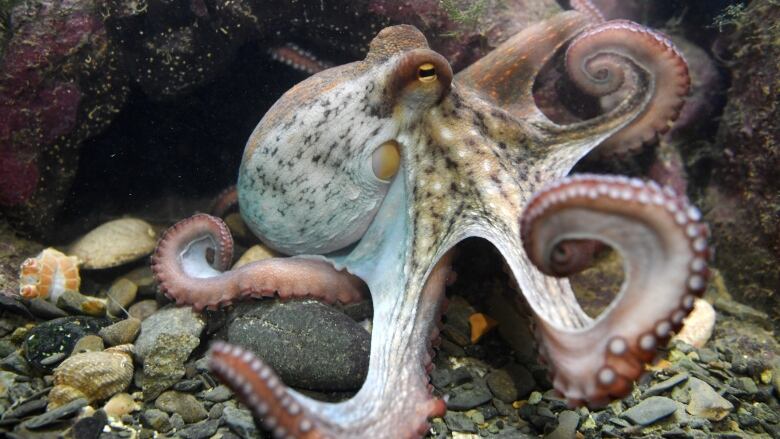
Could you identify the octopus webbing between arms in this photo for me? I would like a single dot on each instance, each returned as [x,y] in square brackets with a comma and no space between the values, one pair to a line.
[373,171]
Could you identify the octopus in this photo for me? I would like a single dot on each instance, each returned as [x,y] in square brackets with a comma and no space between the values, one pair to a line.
[369,174]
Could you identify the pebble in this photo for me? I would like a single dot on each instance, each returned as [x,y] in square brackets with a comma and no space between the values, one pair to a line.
[46,310]
[156,419]
[88,343]
[25,409]
[189,386]
[458,421]
[239,421]
[201,430]
[143,309]
[122,332]
[90,427]
[187,406]
[120,296]
[255,253]
[143,278]
[220,393]
[76,303]
[502,386]
[665,385]
[567,426]
[15,362]
[469,395]
[705,402]
[55,415]
[650,410]
[166,340]
[309,344]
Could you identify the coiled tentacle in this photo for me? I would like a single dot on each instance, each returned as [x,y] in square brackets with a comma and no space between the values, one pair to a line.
[664,248]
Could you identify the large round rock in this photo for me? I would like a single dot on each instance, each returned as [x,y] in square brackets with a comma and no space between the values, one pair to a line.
[309,344]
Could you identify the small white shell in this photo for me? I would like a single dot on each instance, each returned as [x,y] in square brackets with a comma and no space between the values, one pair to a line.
[115,243]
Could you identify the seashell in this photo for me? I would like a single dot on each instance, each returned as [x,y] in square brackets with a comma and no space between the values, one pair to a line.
[115,243]
[48,275]
[92,375]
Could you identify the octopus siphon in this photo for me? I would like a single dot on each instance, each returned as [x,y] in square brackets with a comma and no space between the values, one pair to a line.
[369,174]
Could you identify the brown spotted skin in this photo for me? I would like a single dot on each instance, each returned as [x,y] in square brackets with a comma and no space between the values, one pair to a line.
[474,150]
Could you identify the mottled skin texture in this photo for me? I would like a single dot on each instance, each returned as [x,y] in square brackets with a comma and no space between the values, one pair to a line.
[474,149]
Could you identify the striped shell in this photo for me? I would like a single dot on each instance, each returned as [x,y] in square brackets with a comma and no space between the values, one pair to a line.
[92,375]
[49,274]
[115,243]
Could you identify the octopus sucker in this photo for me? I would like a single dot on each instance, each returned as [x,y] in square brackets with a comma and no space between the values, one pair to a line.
[660,237]
[370,174]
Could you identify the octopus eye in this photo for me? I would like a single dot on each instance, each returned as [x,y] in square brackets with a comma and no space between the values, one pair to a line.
[426,72]
[386,160]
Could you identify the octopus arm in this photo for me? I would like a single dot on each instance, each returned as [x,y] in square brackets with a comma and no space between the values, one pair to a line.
[664,248]
[395,400]
[506,75]
[183,272]
[618,59]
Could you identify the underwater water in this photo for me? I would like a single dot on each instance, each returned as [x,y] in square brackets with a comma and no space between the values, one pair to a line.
[488,222]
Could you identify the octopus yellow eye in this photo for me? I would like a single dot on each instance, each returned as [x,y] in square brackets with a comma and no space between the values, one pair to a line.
[426,72]
[386,160]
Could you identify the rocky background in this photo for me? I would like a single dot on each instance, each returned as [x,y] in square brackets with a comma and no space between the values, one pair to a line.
[142,107]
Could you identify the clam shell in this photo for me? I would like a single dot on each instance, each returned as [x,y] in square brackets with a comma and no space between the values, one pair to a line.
[92,375]
[115,243]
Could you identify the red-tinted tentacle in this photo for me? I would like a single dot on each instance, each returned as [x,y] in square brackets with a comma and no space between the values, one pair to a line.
[601,61]
[664,248]
[180,265]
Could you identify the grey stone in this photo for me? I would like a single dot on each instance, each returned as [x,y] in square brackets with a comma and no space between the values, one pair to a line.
[156,419]
[55,415]
[459,422]
[650,410]
[143,309]
[177,422]
[171,320]
[165,365]
[201,430]
[665,385]
[187,406]
[121,294]
[240,422]
[121,332]
[746,385]
[705,402]
[46,310]
[220,393]
[90,427]
[167,339]
[510,383]
[189,386]
[15,362]
[567,425]
[469,395]
[88,343]
[309,344]
[216,411]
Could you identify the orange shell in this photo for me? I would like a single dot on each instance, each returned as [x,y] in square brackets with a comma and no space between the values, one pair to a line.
[48,275]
